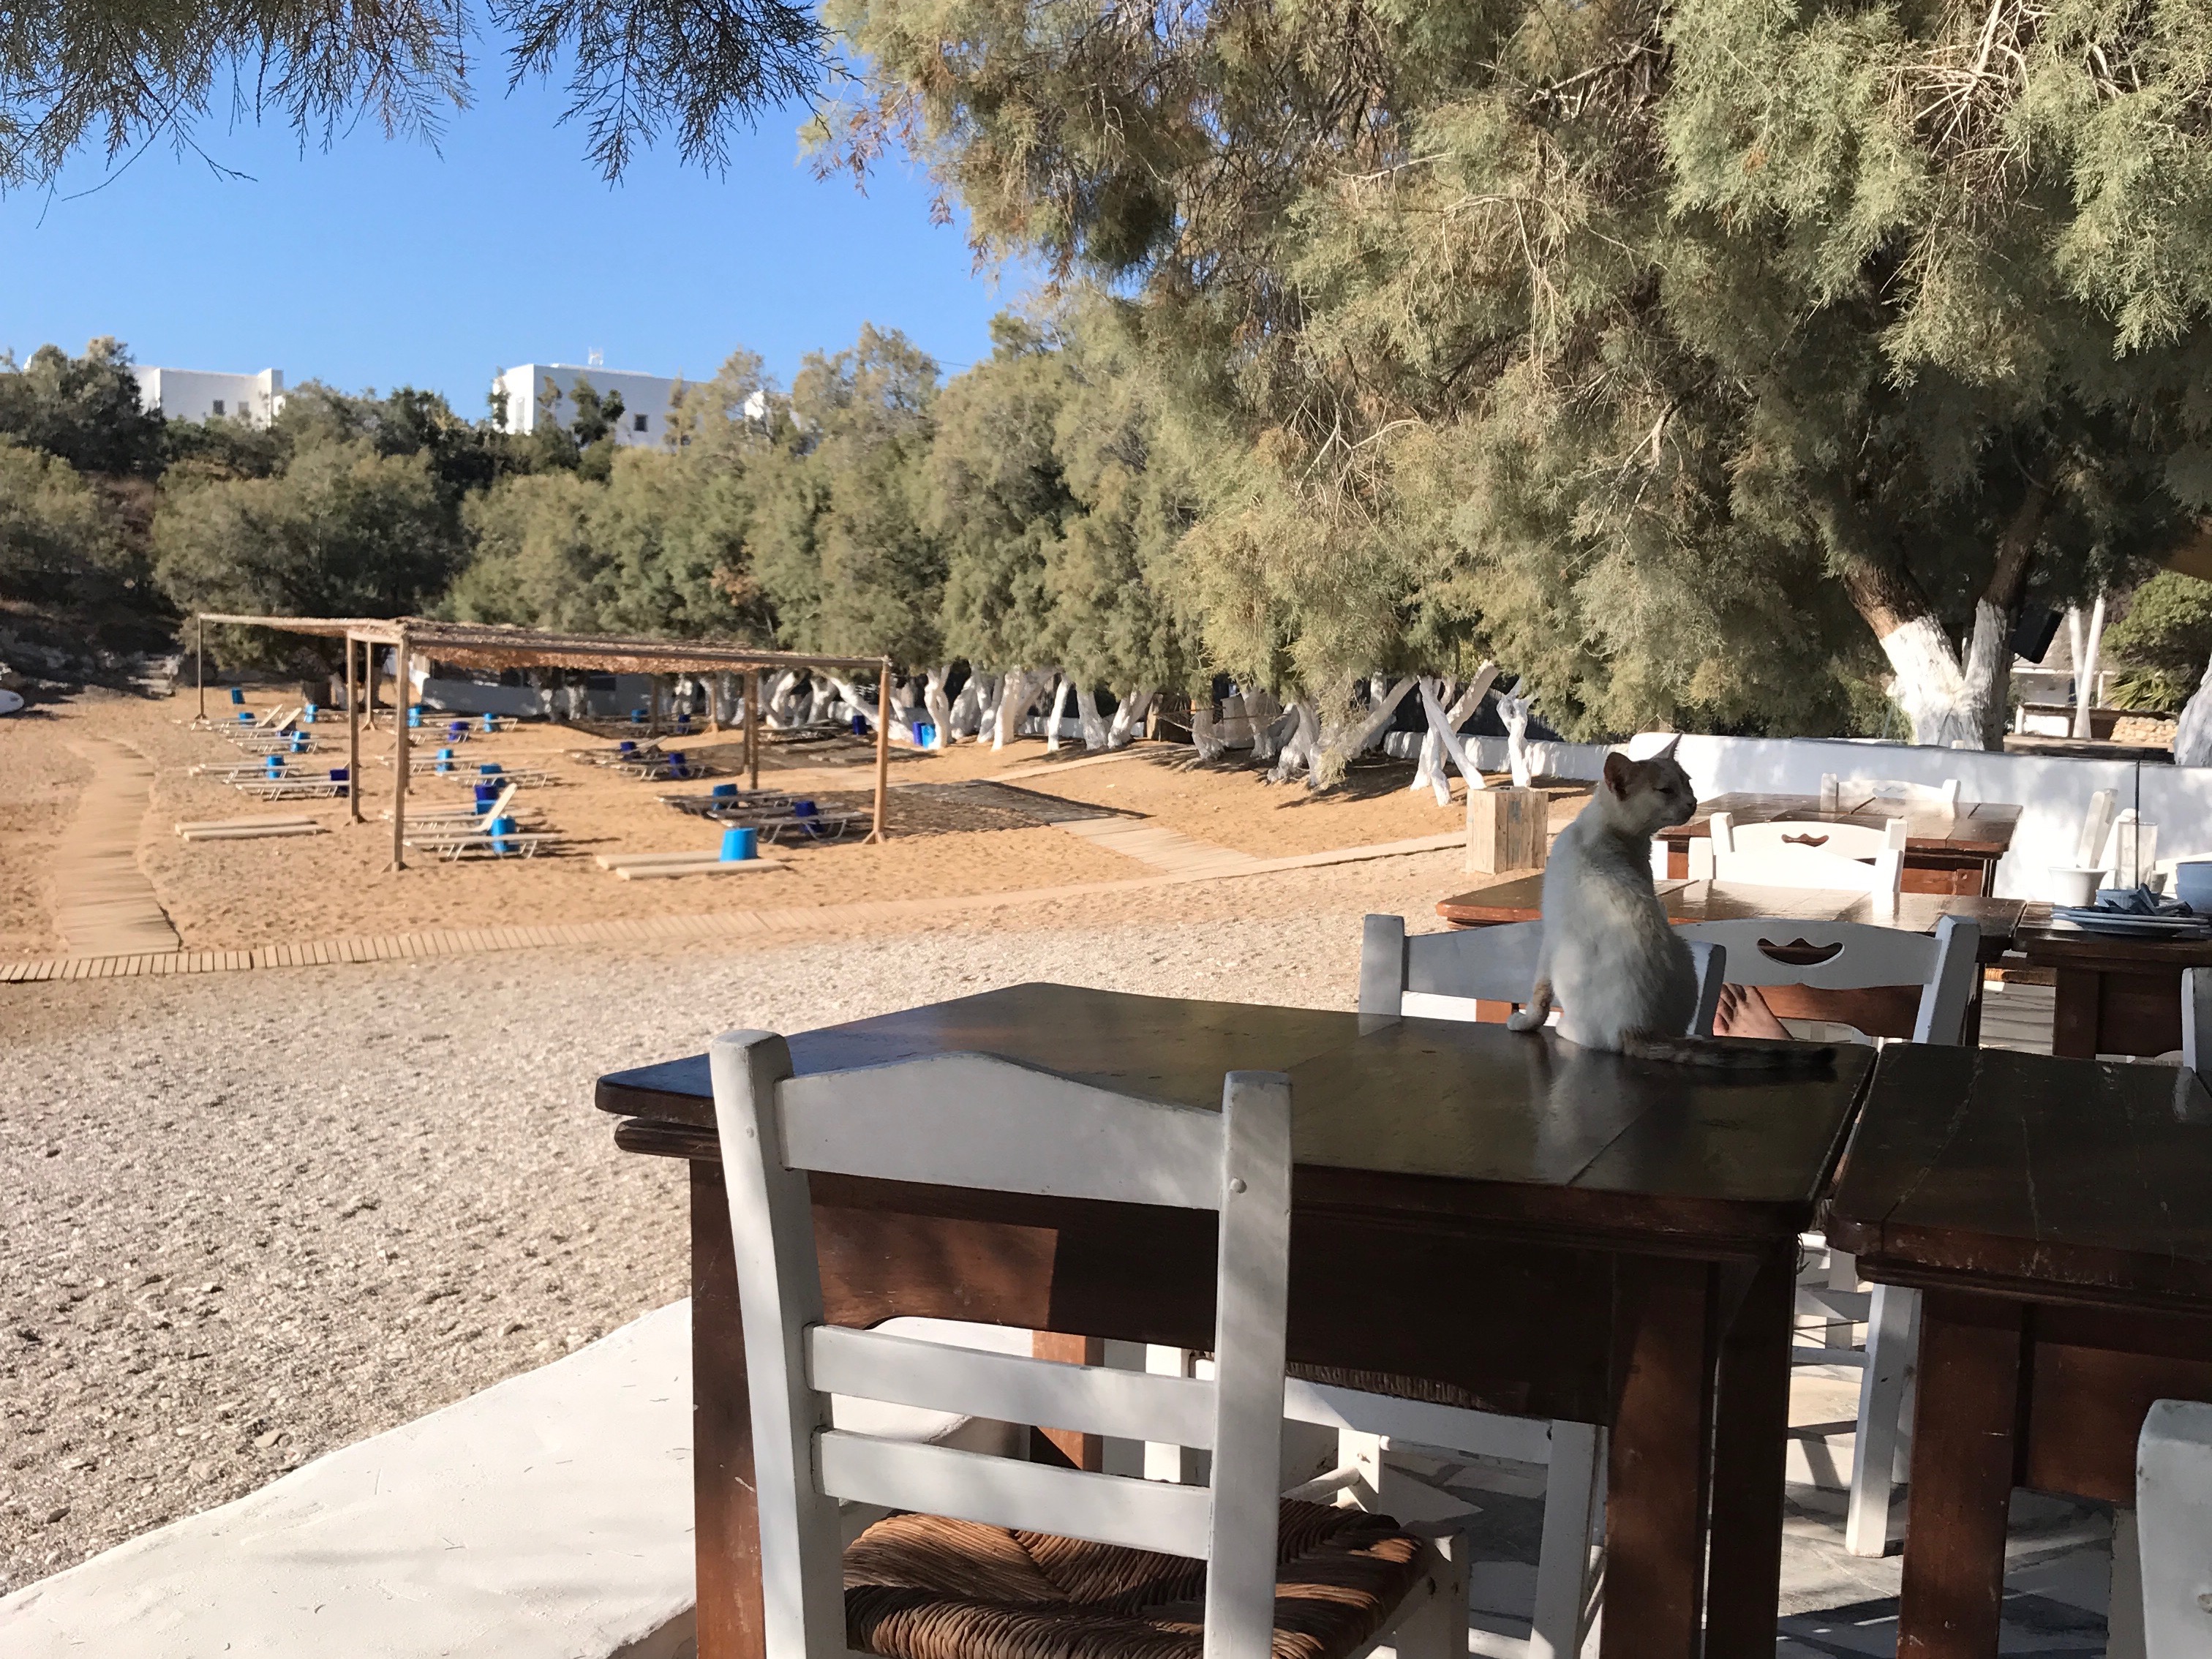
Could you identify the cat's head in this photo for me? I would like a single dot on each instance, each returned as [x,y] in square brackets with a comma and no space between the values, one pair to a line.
[1645,797]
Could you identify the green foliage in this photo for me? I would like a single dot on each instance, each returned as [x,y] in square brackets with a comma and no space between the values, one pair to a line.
[2162,644]
[841,540]
[61,542]
[343,531]
[83,409]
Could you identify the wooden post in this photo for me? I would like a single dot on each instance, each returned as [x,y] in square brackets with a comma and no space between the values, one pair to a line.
[199,662]
[883,744]
[353,734]
[753,728]
[1506,830]
[399,703]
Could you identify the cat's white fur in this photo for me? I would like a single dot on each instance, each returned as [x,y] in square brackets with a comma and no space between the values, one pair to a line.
[1622,977]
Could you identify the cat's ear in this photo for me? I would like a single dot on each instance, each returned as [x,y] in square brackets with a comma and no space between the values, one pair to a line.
[1667,749]
[1618,768]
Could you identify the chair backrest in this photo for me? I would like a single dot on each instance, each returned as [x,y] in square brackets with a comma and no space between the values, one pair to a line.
[977,1122]
[2197,1021]
[1442,975]
[1786,864]
[1842,840]
[1852,955]
[2096,827]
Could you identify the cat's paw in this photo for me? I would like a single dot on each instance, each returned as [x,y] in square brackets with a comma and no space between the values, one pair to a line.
[1526,1019]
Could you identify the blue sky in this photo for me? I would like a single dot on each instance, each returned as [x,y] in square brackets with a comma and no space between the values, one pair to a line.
[381,263]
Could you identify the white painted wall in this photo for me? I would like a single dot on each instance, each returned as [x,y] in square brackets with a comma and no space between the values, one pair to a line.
[646,397]
[192,394]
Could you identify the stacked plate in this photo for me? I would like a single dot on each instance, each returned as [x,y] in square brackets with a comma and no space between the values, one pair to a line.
[2123,924]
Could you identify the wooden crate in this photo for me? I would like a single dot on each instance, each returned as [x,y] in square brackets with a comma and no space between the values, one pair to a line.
[1506,830]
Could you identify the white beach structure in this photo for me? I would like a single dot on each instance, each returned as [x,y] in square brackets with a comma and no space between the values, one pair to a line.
[531,399]
[195,394]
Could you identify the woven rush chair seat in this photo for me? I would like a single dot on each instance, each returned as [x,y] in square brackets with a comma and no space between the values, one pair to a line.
[923,1587]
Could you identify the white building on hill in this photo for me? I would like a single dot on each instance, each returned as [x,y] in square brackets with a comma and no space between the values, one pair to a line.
[192,394]
[539,392]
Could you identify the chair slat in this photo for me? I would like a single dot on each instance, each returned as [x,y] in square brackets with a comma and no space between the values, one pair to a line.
[1107,1509]
[904,1371]
[1421,1422]
[1498,965]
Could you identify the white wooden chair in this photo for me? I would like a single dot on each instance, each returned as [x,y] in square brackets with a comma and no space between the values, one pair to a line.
[1443,976]
[2173,1530]
[935,1578]
[1808,853]
[1861,956]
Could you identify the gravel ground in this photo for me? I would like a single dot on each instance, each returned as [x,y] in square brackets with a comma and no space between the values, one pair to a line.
[252,1218]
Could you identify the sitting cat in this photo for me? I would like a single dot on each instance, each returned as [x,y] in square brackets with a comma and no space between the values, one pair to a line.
[1624,977]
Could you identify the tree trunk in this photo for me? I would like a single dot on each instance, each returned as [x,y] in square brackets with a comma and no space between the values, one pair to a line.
[965,718]
[1060,696]
[940,709]
[1443,741]
[1129,718]
[1202,736]
[1951,698]
[780,702]
[989,688]
[1094,723]
[2088,641]
[1514,711]
[1015,698]
[1266,715]
[2192,734]
[1301,746]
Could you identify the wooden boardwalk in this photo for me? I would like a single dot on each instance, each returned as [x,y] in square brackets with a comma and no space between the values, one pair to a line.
[787,922]
[103,903]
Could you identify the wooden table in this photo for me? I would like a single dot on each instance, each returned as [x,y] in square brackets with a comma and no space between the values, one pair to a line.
[1883,1011]
[2057,1215]
[1498,1220]
[1946,851]
[2113,996]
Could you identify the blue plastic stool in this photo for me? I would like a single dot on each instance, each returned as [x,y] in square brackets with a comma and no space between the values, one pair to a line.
[739,844]
[307,714]
[501,828]
[414,716]
[445,762]
[486,794]
[725,791]
[488,769]
[237,696]
[626,747]
[490,724]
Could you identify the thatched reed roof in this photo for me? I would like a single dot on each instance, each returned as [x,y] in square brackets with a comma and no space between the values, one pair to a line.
[488,645]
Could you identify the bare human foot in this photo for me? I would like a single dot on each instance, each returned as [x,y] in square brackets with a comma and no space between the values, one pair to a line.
[1744,1013]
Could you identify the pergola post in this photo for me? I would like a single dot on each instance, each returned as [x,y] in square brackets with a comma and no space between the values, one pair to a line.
[199,662]
[883,744]
[399,761]
[753,728]
[353,732]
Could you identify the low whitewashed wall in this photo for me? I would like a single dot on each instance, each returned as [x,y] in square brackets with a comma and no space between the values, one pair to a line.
[2053,792]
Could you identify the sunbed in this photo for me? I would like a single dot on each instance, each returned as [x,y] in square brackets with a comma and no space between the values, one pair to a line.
[707,806]
[297,786]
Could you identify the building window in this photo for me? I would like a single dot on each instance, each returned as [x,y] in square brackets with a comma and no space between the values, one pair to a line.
[640,423]
[218,405]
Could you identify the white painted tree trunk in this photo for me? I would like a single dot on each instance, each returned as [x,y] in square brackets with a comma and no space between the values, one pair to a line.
[780,702]
[940,708]
[1202,735]
[1948,702]
[1300,745]
[1266,715]
[965,718]
[1015,700]
[989,687]
[1129,717]
[1443,741]
[1060,698]
[1094,723]
[2192,734]
[2087,639]
[1513,710]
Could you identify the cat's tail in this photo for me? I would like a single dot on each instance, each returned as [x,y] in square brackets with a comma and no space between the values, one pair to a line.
[1729,1054]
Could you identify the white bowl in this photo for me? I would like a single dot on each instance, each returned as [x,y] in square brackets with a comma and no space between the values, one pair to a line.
[2073,886]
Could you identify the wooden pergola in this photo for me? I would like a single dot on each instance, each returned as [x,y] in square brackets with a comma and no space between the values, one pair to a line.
[485,645]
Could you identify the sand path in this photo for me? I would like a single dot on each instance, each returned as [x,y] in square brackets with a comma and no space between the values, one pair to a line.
[103,903]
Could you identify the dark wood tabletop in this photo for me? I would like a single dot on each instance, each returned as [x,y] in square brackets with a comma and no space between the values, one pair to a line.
[2056,1216]
[1592,1138]
[1983,827]
[1480,1217]
[1522,900]
[2088,1180]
